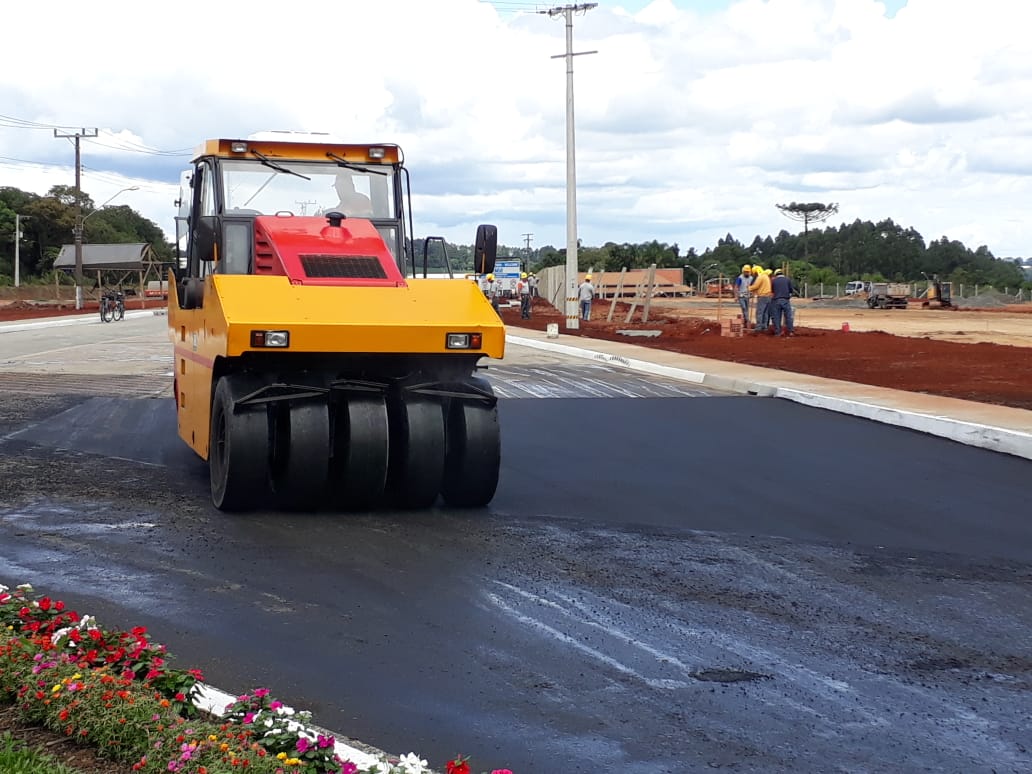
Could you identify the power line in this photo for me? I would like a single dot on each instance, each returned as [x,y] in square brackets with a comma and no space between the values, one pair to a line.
[120,143]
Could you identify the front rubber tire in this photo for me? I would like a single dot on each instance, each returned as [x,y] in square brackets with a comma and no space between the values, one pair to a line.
[474,455]
[238,448]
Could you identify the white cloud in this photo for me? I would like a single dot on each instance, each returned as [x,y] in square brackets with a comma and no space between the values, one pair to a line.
[690,125]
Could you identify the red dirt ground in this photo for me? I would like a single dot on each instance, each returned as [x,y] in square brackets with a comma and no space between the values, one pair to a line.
[987,373]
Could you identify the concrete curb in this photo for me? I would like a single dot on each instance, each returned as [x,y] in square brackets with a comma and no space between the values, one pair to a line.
[214,701]
[969,433]
[989,437]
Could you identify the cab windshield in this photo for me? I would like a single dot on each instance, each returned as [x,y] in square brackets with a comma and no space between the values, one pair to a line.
[307,188]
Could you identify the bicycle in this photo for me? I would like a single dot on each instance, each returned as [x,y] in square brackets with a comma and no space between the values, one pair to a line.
[112,306]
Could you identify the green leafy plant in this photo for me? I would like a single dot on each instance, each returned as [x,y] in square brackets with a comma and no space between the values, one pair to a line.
[18,758]
[115,691]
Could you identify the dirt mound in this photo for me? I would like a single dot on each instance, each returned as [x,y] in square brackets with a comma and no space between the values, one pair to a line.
[988,300]
[989,373]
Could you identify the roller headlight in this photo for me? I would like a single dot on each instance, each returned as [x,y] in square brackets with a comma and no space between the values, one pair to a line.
[270,339]
[463,340]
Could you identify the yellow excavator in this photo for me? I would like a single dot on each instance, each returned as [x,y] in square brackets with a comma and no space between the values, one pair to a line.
[313,367]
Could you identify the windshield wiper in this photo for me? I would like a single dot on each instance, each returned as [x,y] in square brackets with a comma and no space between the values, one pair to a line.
[342,163]
[273,165]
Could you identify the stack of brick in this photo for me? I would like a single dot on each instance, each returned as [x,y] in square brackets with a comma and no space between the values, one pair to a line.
[733,328]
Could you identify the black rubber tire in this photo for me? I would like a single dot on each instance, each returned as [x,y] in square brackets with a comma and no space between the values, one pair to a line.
[106,312]
[301,459]
[474,455]
[238,448]
[361,452]
[118,312]
[417,451]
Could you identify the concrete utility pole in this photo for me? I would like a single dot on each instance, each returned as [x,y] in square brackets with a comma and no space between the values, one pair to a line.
[572,307]
[17,247]
[527,238]
[77,231]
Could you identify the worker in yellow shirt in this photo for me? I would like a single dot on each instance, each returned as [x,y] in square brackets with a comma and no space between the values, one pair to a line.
[760,288]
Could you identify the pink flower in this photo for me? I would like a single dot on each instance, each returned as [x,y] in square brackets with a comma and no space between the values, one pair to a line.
[502,771]
[260,692]
[325,741]
[275,705]
[302,744]
[249,718]
[349,768]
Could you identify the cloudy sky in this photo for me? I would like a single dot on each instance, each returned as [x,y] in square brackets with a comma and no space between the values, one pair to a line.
[694,119]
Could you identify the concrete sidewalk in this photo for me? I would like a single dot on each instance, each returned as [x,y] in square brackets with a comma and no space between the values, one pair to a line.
[997,428]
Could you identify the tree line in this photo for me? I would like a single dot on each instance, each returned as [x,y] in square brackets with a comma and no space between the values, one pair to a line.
[861,250]
[858,250]
[47,223]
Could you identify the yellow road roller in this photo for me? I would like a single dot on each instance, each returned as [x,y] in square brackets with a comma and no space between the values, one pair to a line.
[314,367]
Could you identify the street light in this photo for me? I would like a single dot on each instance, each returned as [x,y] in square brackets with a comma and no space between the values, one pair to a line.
[105,204]
[77,234]
[699,283]
[701,272]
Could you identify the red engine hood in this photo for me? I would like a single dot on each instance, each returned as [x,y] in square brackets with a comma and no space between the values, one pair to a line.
[310,251]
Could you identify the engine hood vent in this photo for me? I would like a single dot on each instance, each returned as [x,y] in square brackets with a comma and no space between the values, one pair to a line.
[342,266]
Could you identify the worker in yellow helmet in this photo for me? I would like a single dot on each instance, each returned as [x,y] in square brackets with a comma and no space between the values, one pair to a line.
[493,290]
[742,283]
[585,295]
[523,289]
[760,288]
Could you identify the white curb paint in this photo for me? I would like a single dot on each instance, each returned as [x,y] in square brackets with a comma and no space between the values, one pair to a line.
[70,319]
[214,701]
[638,365]
[996,439]
[969,433]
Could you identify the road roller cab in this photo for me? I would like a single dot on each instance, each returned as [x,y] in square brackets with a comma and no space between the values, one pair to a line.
[312,367]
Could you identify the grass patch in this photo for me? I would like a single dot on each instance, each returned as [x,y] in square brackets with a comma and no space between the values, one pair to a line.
[18,758]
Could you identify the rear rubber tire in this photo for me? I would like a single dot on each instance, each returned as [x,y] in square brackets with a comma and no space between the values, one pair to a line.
[106,312]
[301,457]
[117,313]
[474,455]
[238,448]
[417,451]
[361,452]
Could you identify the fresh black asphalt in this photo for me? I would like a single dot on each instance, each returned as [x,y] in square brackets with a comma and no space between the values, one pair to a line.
[660,585]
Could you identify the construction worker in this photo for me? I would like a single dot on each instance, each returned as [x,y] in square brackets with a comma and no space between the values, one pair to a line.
[585,294]
[523,288]
[492,290]
[781,287]
[742,283]
[760,287]
[534,285]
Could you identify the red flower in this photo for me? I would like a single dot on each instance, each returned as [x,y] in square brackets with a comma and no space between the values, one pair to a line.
[458,766]
[44,603]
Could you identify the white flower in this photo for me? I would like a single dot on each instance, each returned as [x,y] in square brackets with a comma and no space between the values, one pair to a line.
[3,588]
[25,586]
[59,634]
[412,764]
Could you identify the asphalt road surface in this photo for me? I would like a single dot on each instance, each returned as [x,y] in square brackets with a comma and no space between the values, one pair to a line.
[668,579]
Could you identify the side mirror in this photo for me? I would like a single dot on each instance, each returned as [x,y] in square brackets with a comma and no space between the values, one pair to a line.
[486,249]
[204,238]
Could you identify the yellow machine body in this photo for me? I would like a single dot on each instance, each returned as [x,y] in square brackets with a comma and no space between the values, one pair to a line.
[321,321]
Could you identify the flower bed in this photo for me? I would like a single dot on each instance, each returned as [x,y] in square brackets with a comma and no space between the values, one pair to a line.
[115,692]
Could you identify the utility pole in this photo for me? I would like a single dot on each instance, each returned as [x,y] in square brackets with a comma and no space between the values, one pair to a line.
[572,307]
[527,238]
[77,231]
[17,247]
